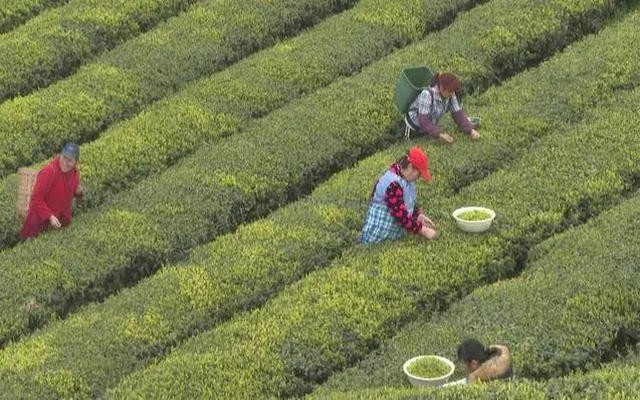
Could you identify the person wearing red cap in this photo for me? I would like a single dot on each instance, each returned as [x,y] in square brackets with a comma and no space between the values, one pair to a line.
[57,183]
[433,102]
[392,209]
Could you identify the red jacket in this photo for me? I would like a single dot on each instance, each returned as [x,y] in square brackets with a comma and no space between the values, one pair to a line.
[52,194]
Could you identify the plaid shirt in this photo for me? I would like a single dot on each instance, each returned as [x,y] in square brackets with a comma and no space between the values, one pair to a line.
[392,219]
[429,106]
[394,199]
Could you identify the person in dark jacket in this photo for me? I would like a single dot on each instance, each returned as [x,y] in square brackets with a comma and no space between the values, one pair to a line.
[392,209]
[57,184]
[485,364]
[433,102]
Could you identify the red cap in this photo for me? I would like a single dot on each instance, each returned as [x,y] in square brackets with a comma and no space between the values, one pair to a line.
[420,161]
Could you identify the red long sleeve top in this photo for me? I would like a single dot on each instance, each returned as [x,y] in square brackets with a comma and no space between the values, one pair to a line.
[52,194]
[395,202]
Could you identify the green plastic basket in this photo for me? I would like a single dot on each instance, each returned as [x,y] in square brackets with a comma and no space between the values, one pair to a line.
[410,83]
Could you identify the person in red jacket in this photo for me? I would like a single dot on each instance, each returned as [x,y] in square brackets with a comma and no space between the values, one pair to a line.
[57,183]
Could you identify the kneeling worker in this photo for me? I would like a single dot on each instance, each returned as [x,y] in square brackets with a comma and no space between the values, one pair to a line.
[392,209]
[485,364]
[57,183]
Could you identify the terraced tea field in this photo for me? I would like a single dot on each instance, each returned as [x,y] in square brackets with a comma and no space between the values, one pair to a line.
[229,147]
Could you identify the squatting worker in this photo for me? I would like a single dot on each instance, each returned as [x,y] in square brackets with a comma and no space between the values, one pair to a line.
[57,183]
[484,364]
[431,104]
[392,209]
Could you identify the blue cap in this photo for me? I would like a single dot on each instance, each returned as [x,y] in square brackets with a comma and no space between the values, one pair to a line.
[71,150]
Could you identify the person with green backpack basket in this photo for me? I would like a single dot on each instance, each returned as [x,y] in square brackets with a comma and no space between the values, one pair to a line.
[433,102]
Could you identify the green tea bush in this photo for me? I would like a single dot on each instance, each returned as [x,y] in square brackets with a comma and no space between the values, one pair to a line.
[228,101]
[335,316]
[215,106]
[564,313]
[614,381]
[56,42]
[15,12]
[221,186]
[139,147]
[230,274]
[147,68]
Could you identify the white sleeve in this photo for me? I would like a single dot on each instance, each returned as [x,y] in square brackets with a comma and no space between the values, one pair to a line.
[454,105]
[424,102]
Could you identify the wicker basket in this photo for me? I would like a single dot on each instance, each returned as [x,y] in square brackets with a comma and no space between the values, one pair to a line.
[26,180]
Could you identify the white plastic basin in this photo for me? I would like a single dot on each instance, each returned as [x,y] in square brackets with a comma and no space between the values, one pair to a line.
[474,226]
[419,381]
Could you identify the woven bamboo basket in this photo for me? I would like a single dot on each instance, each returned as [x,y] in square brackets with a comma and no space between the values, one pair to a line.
[26,180]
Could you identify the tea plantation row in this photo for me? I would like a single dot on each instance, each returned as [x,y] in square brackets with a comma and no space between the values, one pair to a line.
[335,316]
[243,269]
[56,42]
[227,102]
[615,381]
[15,12]
[211,36]
[225,184]
[565,313]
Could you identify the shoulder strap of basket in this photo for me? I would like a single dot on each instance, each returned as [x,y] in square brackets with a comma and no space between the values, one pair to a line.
[431,93]
[53,177]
